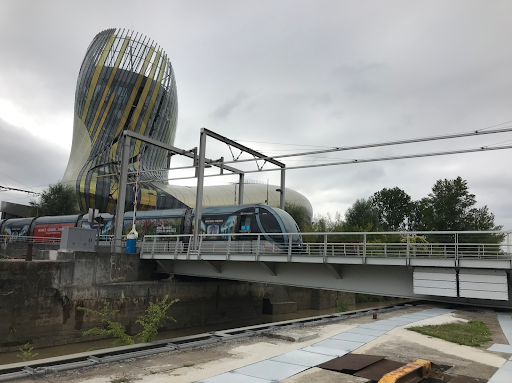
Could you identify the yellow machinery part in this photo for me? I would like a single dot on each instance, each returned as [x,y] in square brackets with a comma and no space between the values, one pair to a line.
[410,373]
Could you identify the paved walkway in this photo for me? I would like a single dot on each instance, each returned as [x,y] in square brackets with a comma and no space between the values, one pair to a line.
[504,374]
[285,365]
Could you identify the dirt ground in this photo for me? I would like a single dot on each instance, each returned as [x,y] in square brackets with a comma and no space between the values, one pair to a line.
[199,363]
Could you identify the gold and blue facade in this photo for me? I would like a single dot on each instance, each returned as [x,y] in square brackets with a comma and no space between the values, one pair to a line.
[126,82]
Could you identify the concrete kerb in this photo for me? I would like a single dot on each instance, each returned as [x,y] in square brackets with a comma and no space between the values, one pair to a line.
[50,365]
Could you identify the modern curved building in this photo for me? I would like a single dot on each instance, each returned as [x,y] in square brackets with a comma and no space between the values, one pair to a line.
[126,82]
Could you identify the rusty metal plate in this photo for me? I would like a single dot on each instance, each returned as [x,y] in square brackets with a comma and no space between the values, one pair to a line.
[377,370]
[350,363]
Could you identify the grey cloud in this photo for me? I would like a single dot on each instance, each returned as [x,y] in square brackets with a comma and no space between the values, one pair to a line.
[319,73]
[223,111]
[28,161]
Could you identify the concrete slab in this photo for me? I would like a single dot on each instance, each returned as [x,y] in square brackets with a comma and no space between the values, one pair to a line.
[293,335]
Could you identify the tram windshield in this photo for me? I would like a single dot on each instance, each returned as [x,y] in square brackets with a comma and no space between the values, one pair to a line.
[289,224]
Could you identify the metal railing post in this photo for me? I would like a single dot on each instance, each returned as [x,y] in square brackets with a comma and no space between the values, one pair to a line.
[229,248]
[258,247]
[408,252]
[457,249]
[152,247]
[325,247]
[289,248]
[364,248]
[200,247]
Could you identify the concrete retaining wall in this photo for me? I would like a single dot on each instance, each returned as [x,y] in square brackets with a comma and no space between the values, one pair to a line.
[39,299]
[19,249]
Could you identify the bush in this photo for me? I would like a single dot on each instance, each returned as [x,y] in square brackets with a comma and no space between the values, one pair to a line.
[155,318]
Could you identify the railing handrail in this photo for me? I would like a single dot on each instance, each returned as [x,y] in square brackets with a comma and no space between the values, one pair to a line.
[356,247]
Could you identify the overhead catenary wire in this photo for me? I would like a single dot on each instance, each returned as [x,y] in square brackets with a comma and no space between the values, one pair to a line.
[381,144]
[351,162]
[357,147]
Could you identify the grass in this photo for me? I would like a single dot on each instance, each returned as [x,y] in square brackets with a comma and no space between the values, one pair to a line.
[120,380]
[473,333]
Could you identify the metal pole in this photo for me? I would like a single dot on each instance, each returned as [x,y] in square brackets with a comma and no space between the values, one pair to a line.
[282,197]
[200,186]
[121,195]
[241,189]
[136,194]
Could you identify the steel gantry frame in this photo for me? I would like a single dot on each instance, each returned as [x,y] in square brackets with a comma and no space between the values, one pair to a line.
[199,162]
[200,174]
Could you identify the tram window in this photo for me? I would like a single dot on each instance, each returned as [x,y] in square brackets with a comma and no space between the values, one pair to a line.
[269,223]
[246,224]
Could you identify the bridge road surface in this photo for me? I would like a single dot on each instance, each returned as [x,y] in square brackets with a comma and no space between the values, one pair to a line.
[236,358]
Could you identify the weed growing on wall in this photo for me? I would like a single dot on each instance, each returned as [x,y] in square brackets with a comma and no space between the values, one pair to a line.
[341,304]
[155,318]
[111,329]
[26,352]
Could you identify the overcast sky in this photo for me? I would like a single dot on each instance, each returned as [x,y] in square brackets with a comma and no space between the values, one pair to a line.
[281,77]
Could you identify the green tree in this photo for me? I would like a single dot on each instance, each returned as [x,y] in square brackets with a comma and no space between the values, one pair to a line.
[393,207]
[56,200]
[362,216]
[450,206]
[299,214]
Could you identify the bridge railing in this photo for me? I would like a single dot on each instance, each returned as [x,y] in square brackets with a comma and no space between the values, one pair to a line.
[446,244]
[27,239]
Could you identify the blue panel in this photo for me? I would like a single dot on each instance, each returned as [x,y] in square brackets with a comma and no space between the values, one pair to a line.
[502,375]
[367,331]
[303,358]
[506,325]
[340,344]
[506,348]
[360,338]
[325,351]
[233,377]
[377,326]
[270,370]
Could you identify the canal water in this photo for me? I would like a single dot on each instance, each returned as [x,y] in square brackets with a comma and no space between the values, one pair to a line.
[49,352]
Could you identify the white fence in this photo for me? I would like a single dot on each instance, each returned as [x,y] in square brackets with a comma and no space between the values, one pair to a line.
[455,245]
